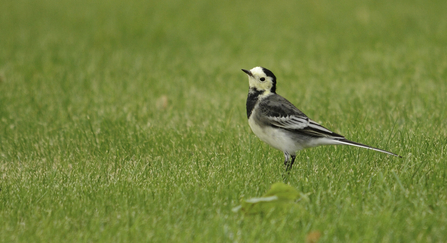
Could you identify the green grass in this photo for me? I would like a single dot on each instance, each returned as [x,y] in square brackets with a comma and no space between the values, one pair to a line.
[90,151]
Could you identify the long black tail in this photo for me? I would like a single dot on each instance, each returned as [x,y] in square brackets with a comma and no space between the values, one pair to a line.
[348,142]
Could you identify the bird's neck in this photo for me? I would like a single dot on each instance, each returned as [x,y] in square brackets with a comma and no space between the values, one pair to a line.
[254,95]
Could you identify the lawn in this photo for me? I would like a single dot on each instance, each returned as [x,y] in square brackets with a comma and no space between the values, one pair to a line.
[124,121]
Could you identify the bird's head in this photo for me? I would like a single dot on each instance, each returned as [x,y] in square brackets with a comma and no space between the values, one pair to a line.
[261,79]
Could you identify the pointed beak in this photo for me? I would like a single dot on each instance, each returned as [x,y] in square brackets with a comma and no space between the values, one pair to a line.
[247,72]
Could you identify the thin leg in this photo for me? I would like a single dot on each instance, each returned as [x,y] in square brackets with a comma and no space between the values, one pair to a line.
[287,158]
[285,174]
[287,161]
[293,160]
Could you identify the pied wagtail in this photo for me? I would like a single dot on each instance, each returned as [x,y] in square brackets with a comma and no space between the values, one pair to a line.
[280,124]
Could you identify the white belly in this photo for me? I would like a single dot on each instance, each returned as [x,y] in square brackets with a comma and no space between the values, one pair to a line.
[276,138]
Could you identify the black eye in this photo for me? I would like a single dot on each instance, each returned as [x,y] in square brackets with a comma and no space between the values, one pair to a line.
[262,79]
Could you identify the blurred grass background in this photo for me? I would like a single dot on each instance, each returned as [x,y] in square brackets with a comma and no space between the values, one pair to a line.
[125,121]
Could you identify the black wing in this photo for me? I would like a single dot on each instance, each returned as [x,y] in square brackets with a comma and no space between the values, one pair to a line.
[279,112]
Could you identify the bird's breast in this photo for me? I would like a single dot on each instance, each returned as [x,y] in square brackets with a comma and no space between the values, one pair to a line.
[252,100]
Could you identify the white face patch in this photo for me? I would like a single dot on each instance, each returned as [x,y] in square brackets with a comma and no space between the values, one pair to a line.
[260,80]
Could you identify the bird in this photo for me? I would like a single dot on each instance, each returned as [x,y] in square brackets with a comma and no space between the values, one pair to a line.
[277,122]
